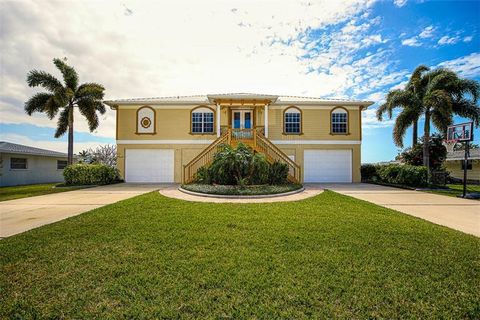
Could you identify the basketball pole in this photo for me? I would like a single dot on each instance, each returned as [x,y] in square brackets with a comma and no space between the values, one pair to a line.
[465,162]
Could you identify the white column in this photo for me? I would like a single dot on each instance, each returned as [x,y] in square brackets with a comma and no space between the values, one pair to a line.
[218,120]
[266,120]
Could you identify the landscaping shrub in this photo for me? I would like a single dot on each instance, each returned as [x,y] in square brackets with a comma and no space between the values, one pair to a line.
[231,165]
[369,172]
[278,173]
[414,176]
[414,155]
[407,175]
[89,174]
[241,166]
[245,191]
[203,176]
[388,173]
[260,169]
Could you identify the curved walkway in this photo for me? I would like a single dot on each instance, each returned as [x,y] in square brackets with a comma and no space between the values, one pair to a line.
[173,192]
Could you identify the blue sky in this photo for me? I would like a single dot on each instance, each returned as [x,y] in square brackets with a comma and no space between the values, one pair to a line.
[352,49]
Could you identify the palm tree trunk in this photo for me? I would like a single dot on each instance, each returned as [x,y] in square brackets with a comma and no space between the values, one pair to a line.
[426,141]
[70,136]
[415,133]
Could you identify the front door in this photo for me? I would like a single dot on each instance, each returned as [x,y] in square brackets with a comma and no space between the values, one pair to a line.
[242,119]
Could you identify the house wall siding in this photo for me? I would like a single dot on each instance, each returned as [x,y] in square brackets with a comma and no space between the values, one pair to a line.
[455,169]
[186,152]
[173,123]
[39,170]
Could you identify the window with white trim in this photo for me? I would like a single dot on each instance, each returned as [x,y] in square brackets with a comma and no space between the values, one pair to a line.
[18,163]
[339,121]
[202,120]
[61,164]
[293,120]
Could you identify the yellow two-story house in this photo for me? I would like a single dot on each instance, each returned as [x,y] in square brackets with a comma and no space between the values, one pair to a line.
[168,139]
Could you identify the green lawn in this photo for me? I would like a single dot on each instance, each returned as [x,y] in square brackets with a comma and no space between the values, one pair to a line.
[31,190]
[330,256]
[456,189]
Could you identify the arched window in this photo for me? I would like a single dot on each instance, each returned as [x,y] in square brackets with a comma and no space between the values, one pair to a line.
[146,122]
[339,121]
[202,120]
[292,119]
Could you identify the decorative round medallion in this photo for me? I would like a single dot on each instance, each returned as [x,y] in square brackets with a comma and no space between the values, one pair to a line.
[146,122]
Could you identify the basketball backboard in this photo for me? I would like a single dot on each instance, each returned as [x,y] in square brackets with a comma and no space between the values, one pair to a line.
[460,132]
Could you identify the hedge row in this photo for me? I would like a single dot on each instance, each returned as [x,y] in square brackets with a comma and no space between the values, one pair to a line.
[407,175]
[90,174]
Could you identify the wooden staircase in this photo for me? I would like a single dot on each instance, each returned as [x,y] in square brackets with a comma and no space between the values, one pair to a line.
[251,137]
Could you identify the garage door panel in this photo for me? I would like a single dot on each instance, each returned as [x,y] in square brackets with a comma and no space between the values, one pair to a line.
[328,166]
[149,165]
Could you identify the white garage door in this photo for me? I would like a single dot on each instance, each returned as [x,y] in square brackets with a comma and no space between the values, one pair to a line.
[149,165]
[327,166]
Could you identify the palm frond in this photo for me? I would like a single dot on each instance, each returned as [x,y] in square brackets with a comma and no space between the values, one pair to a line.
[468,86]
[416,78]
[37,102]
[44,79]
[62,123]
[438,99]
[88,108]
[467,109]
[444,80]
[381,110]
[441,120]
[90,90]
[51,108]
[397,99]
[439,103]
[404,120]
[70,76]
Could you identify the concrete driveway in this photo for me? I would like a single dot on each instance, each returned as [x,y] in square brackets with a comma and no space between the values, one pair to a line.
[20,215]
[456,213]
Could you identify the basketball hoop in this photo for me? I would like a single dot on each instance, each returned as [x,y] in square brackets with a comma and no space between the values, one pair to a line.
[458,133]
[449,145]
[462,132]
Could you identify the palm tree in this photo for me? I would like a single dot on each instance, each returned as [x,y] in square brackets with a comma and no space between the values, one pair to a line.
[64,98]
[404,98]
[436,95]
[446,94]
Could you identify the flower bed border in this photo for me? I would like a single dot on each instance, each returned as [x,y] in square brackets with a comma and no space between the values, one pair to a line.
[231,196]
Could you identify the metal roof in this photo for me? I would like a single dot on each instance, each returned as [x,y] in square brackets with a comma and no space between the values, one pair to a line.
[210,98]
[8,147]
[460,155]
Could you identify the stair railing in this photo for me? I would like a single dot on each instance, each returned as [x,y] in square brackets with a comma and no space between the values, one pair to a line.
[265,146]
[205,157]
[251,137]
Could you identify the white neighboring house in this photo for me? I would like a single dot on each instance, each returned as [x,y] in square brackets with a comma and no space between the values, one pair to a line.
[28,165]
[455,164]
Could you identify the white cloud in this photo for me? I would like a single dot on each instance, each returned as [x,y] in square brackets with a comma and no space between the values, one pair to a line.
[468,39]
[448,40]
[144,49]
[467,66]
[427,32]
[411,42]
[370,121]
[400,3]
[377,97]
